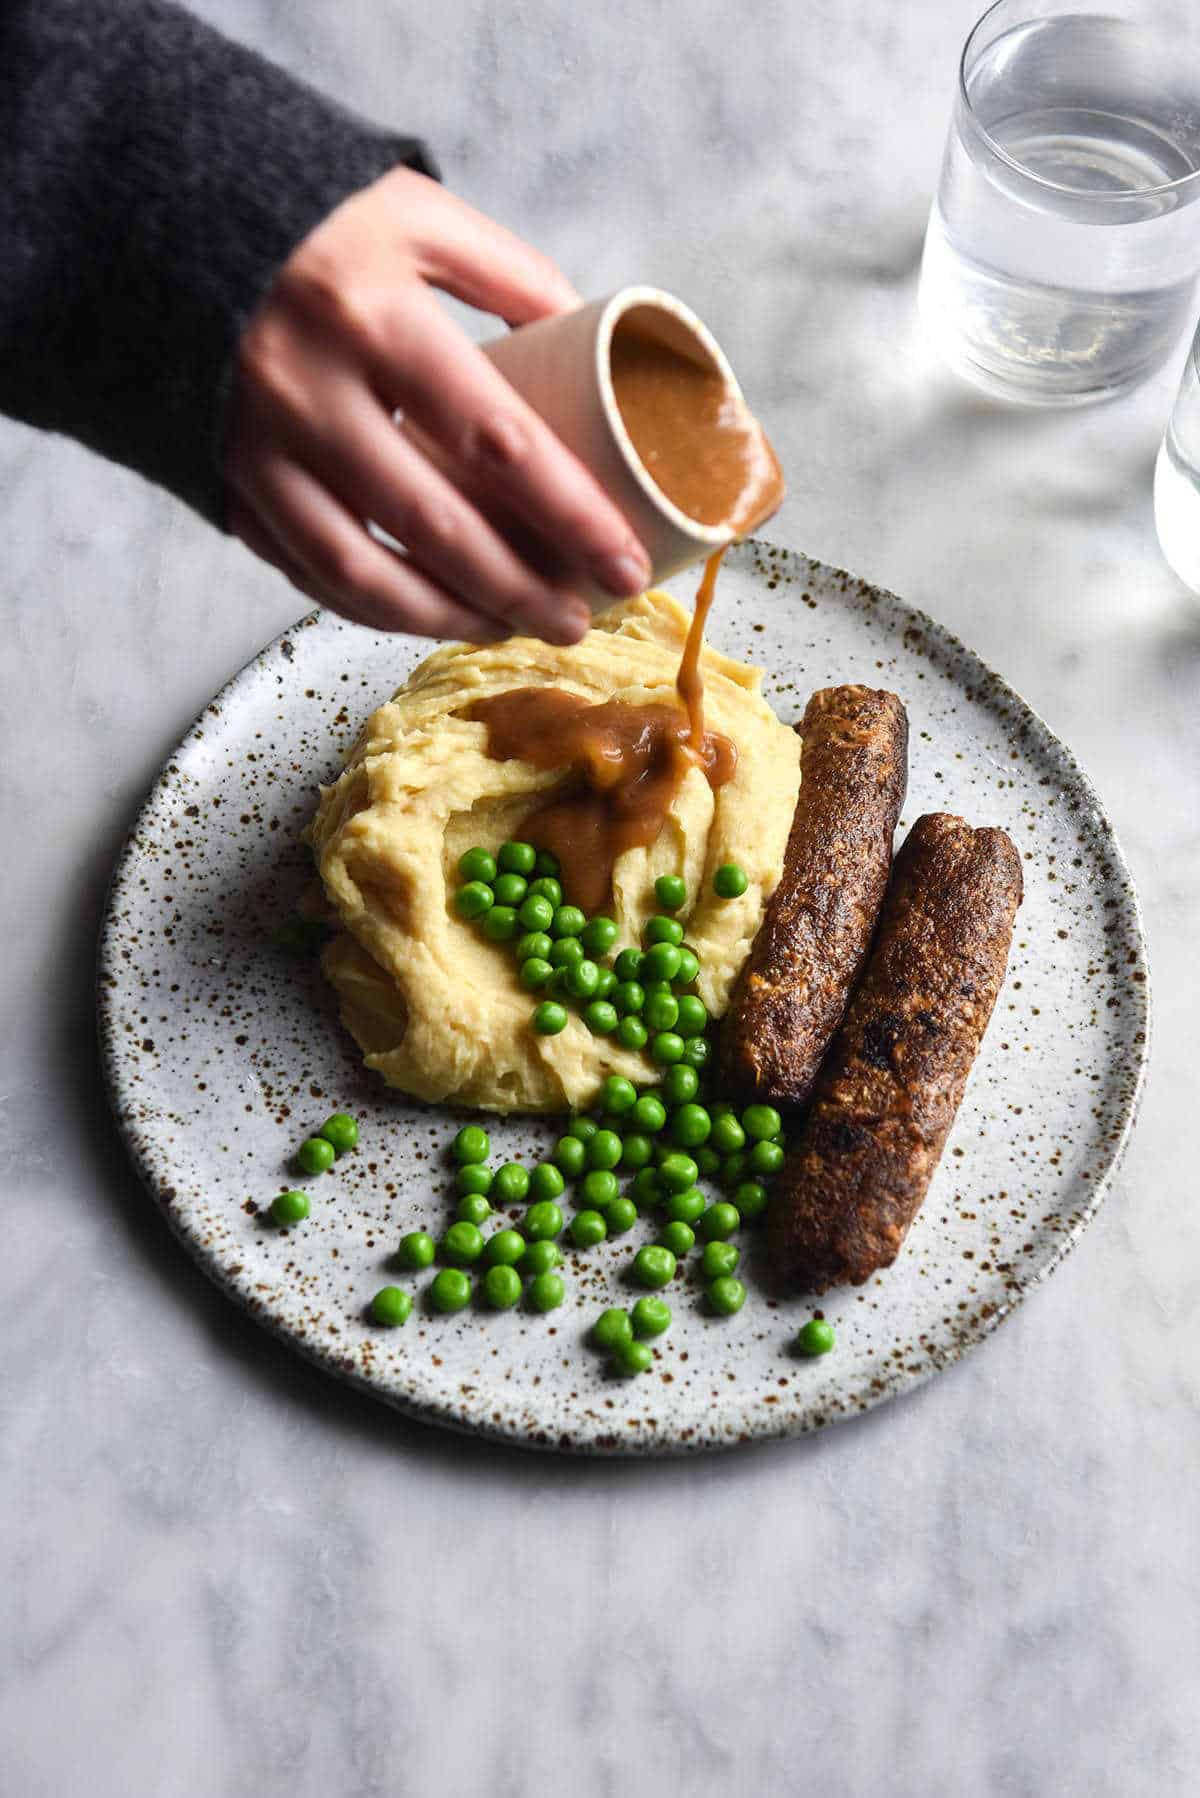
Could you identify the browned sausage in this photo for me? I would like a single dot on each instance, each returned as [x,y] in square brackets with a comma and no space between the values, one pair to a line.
[886,1097]
[814,937]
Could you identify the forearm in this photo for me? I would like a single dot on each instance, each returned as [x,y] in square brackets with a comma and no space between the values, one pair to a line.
[153,178]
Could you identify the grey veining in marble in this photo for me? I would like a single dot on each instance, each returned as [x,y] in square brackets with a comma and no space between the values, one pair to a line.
[222,1574]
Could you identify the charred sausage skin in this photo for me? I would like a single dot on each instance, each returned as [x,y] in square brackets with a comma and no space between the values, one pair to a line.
[810,948]
[888,1093]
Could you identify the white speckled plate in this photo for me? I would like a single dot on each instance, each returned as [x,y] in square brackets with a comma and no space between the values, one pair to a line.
[223,1052]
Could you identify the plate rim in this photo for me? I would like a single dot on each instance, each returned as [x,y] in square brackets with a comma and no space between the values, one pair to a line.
[775,1427]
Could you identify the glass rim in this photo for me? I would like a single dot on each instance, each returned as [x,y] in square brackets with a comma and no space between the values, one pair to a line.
[1115,200]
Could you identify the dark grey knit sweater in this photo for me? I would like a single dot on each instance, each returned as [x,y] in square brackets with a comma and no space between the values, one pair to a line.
[153,177]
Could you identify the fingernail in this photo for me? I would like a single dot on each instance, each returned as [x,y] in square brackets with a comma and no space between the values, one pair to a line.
[626,573]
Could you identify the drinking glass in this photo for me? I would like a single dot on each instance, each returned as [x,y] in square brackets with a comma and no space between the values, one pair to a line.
[1177,478]
[1063,246]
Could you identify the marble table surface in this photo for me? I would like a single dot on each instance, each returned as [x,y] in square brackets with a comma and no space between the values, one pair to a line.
[222,1574]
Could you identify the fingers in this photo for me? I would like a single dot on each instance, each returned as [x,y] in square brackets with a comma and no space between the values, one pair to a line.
[471,256]
[288,509]
[443,382]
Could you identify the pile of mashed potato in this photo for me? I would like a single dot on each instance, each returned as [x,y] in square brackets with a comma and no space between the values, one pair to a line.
[435,1007]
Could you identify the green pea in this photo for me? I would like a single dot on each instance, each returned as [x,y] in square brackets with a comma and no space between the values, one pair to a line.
[750,1199]
[666,1048]
[719,1258]
[649,1114]
[290,1207]
[416,1250]
[477,864]
[611,1328]
[670,891]
[660,1011]
[471,1146]
[645,1189]
[474,900]
[693,1017]
[535,914]
[391,1305]
[663,930]
[504,1249]
[617,1095]
[766,1158]
[567,951]
[607,984]
[637,1152]
[472,1208]
[500,924]
[632,1358]
[689,967]
[600,1017]
[547,864]
[587,1229]
[501,1286]
[546,888]
[516,858]
[677,1172]
[535,945]
[726,1295]
[340,1130]
[628,964]
[677,1236]
[545,1292]
[734,1169]
[582,979]
[651,1317]
[761,1122]
[510,889]
[816,1338]
[679,1084]
[653,1267]
[315,1155]
[583,1127]
[549,1019]
[510,1184]
[690,1126]
[604,1149]
[661,962]
[621,1215]
[543,1221]
[541,1256]
[546,1181]
[570,1156]
[696,1052]
[535,973]
[599,935]
[686,1207]
[730,881]
[719,1221]
[631,1033]
[708,1161]
[599,1188]
[727,1137]
[462,1244]
[629,997]
[569,921]
[450,1290]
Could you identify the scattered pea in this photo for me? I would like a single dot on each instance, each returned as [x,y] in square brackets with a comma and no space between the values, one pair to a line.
[685,1207]
[462,1244]
[477,864]
[612,1327]
[620,1215]
[516,858]
[679,1237]
[719,1258]
[690,1126]
[543,1221]
[570,1156]
[416,1250]
[549,1019]
[734,1168]
[582,979]
[502,1286]
[628,964]
[546,887]
[645,1189]
[510,1184]
[727,1137]
[604,1149]
[569,921]
[450,1290]
[510,889]
[474,900]
[661,1010]
[391,1305]
[473,1179]
[341,1130]
[677,1172]
[500,924]
[697,1051]
[650,1114]
[719,1221]
[587,1229]
[726,1295]
[651,1317]
[660,962]
[653,1266]
[599,935]
[546,1181]
[535,973]
[689,967]
[599,1188]
[471,1145]
[504,1249]
[601,1017]
[546,1291]
[693,1017]
[631,1033]
[606,984]
[316,1155]
[535,943]
[566,952]
[583,1127]
[536,914]
[816,1338]
[290,1207]
[761,1122]
[541,1256]
[637,1152]
[472,1208]
[666,1048]
[679,1084]
[629,996]
[547,864]
[670,891]
[632,1358]
[766,1158]
[750,1199]
[708,1161]
[730,881]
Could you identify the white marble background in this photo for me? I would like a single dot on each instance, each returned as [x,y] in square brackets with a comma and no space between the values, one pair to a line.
[222,1574]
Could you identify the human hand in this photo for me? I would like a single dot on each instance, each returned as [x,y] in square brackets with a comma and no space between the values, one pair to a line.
[495,513]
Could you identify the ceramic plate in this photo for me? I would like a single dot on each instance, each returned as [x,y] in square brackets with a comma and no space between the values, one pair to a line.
[223,1052]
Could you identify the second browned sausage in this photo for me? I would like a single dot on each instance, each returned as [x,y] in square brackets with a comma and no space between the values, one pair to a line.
[814,938]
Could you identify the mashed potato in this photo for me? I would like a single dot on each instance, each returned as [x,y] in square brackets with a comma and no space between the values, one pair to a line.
[435,1007]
